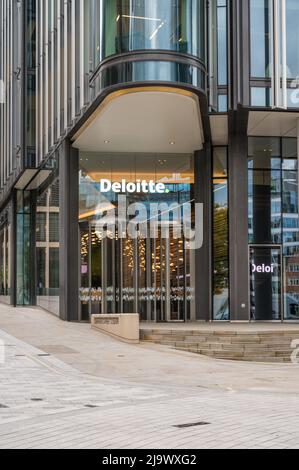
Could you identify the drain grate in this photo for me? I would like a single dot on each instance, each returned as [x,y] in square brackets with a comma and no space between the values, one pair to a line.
[3,406]
[191,425]
[44,355]
[90,406]
[37,399]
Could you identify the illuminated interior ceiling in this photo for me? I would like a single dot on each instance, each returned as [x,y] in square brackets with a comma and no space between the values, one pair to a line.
[144,120]
[162,168]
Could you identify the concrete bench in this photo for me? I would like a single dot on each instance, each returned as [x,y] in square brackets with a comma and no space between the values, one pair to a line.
[124,327]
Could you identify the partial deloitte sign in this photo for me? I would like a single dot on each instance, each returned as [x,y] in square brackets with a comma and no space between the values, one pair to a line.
[262,268]
[2,92]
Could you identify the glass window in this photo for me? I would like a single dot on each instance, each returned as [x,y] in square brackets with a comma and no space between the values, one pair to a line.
[140,71]
[260,96]
[129,25]
[47,247]
[260,38]
[293,97]
[220,235]
[222,103]
[151,273]
[222,43]
[54,226]
[220,162]
[54,269]
[273,217]
[23,249]
[5,250]
[265,283]
[41,220]
[292,33]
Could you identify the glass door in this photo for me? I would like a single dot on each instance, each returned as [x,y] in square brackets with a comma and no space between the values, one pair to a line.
[265,283]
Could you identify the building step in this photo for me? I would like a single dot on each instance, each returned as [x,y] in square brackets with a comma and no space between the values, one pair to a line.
[263,346]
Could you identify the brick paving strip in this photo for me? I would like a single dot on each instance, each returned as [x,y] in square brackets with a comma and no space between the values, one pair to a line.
[45,403]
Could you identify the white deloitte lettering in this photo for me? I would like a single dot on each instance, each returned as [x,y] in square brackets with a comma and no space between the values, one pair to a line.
[139,187]
[263,268]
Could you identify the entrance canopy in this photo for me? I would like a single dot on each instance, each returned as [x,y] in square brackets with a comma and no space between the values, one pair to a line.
[158,120]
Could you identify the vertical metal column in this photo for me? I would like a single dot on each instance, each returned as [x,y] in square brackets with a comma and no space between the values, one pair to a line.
[68,227]
[203,256]
[238,216]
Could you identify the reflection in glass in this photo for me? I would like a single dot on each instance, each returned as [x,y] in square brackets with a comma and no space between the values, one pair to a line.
[260,96]
[23,249]
[130,25]
[265,283]
[153,276]
[273,208]
[260,37]
[220,235]
[140,71]
[292,37]
[5,260]
[221,272]
[47,248]
[222,42]
[264,190]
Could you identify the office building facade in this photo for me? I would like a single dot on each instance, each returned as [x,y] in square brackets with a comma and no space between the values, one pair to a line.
[114,109]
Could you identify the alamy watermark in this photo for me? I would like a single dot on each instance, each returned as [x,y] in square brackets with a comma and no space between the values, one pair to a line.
[294,94]
[2,352]
[151,220]
[2,92]
[295,353]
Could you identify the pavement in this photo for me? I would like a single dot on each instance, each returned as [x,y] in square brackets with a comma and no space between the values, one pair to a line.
[63,385]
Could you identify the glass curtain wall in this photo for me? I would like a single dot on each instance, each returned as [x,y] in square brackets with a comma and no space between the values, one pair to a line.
[47,247]
[220,235]
[260,50]
[5,255]
[31,83]
[131,25]
[150,274]
[273,227]
[261,25]
[222,54]
[292,38]
[24,265]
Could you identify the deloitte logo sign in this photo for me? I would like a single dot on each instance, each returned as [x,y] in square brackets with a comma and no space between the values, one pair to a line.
[139,187]
[263,268]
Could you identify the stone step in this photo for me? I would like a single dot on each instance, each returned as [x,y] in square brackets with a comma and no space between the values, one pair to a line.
[230,339]
[240,357]
[263,346]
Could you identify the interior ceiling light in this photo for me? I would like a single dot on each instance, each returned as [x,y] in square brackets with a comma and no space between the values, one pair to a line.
[106,141]
[134,17]
[172,142]
[157,30]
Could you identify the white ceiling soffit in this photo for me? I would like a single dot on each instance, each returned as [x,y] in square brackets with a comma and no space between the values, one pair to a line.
[144,121]
[40,178]
[272,124]
[219,129]
[25,179]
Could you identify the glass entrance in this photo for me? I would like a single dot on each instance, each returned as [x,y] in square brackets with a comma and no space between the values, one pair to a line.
[152,273]
[153,277]
[265,283]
